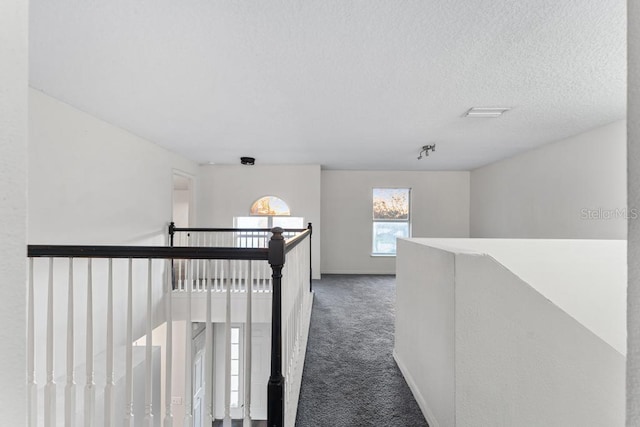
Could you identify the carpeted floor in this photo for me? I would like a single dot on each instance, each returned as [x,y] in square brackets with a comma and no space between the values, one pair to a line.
[350,378]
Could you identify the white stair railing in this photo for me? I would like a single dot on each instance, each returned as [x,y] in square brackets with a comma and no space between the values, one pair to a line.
[98,320]
[296,315]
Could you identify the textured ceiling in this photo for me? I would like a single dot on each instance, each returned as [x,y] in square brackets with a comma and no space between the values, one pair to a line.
[342,83]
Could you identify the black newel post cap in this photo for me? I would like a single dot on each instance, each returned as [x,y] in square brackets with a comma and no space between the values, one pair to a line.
[277,233]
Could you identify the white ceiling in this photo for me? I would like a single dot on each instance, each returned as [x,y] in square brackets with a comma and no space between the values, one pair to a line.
[342,83]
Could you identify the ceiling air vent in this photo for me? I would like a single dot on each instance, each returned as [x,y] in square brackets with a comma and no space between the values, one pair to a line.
[486,112]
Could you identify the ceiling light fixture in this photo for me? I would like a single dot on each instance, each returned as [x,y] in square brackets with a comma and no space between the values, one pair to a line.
[248,161]
[426,149]
[486,112]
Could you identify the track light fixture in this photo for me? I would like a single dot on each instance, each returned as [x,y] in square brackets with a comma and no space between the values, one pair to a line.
[248,161]
[426,149]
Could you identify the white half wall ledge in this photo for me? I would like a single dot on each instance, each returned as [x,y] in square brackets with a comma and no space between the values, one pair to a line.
[513,332]
[585,278]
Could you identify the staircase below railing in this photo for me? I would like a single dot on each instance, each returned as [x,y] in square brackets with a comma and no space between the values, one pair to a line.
[92,308]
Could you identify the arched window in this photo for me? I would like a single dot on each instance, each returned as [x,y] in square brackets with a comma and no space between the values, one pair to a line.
[268,212]
[270,206]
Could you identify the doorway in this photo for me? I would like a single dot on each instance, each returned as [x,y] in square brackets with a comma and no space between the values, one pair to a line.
[182,199]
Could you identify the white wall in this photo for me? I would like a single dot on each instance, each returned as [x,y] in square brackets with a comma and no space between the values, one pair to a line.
[439,208]
[633,162]
[547,192]
[520,358]
[225,192]
[91,182]
[522,361]
[426,354]
[13,209]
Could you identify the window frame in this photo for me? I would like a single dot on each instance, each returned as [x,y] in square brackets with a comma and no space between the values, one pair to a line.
[375,221]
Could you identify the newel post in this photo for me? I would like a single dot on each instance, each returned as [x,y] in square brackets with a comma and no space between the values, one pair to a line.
[172,230]
[275,390]
[310,259]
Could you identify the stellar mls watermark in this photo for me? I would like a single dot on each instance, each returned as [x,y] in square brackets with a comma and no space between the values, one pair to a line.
[608,214]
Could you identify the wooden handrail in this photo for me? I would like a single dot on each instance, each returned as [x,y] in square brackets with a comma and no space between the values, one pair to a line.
[147,252]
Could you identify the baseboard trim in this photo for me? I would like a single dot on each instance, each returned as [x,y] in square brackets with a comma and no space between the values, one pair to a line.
[428,414]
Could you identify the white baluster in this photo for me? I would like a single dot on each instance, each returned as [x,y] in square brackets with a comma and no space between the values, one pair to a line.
[70,388]
[188,362]
[218,283]
[168,418]
[227,357]
[209,351]
[148,385]
[128,408]
[50,387]
[89,388]
[203,242]
[285,323]
[215,278]
[242,264]
[197,263]
[265,276]
[31,354]
[178,274]
[183,275]
[291,282]
[240,276]
[247,351]
[109,385]
[267,272]
[232,273]
[258,275]
[251,275]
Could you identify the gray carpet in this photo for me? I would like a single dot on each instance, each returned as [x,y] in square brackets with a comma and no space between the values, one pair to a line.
[350,378]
